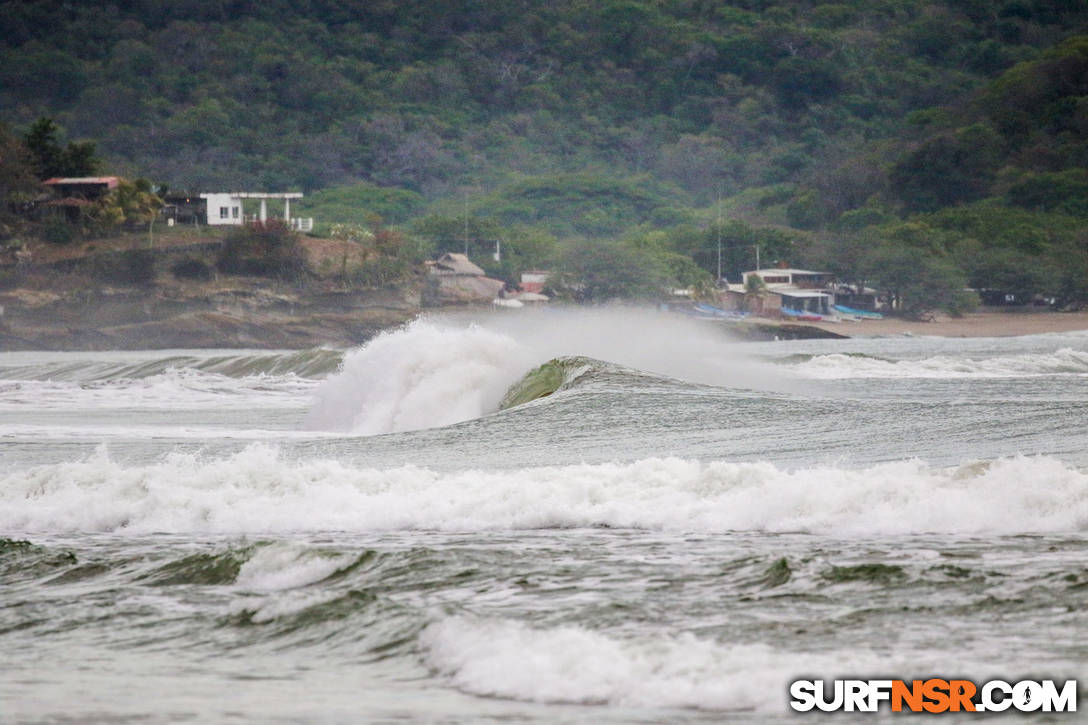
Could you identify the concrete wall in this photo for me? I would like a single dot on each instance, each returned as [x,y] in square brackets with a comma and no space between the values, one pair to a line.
[217,203]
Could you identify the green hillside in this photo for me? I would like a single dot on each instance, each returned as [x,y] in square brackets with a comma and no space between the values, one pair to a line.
[839,134]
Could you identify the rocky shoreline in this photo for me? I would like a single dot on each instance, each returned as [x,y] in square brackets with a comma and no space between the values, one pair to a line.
[239,317]
[122,294]
[63,300]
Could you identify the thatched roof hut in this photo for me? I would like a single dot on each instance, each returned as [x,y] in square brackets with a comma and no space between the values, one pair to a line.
[453,263]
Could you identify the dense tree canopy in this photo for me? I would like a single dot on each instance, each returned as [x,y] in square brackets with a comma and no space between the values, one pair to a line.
[422,94]
[51,159]
[819,129]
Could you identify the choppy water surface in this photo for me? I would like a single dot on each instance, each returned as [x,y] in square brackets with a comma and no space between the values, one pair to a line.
[682,529]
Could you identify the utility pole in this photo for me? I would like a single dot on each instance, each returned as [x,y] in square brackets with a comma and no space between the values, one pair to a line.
[466,223]
[718,280]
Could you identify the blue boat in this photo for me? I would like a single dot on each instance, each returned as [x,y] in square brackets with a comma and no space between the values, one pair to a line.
[863,314]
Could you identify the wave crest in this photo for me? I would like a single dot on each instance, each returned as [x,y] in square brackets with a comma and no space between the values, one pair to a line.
[258,491]
[570,664]
[435,372]
[110,366]
[423,376]
[1065,361]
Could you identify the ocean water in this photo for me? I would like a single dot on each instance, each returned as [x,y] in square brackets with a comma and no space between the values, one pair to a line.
[687,525]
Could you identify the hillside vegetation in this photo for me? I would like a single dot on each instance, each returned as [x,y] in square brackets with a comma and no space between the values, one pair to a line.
[914,145]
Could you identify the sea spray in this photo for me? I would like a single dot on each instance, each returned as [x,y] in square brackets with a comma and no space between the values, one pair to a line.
[438,371]
[633,541]
[424,376]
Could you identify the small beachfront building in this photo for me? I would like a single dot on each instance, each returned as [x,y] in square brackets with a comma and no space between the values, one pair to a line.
[454,279]
[82,187]
[804,301]
[533,280]
[797,278]
[783,292]
[452,264]
[226,208]
[75,197]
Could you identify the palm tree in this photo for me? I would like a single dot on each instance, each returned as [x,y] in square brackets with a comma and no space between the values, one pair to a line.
[755,290]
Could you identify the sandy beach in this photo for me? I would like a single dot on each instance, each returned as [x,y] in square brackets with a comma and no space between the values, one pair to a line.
[976,324]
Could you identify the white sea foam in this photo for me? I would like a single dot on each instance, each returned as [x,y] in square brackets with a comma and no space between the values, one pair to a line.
[98,433]
[435,372]
[173,389]
[277,576]
[420,377]
[500,658]
[285,565]
[576,665]
[96,367]
[1065,361]
[257,490]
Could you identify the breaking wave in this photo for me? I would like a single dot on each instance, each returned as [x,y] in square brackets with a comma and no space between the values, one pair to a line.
[110,366]
[576,665]
[426,376]
[1065,361]
[433,373]
[258,490]
[173,388]
[175,381]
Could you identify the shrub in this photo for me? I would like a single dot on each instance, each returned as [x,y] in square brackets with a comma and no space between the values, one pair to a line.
[56,230]
[192,269]
[134,267]
[269,249]
[138,266]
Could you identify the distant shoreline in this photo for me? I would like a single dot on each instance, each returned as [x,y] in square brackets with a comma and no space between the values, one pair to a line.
[243,313]
[986,323]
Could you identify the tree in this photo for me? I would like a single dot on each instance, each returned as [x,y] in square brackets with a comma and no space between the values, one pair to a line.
[948,169]
[1070,262]
[599,271]
[52,159]
[844,255]
[916,283]
[41,140]
[1011,271]
[800,81]
[755,289]
[739,244]
[17,178]
[1064,191]
[358,203]
[135,199]
[473,235]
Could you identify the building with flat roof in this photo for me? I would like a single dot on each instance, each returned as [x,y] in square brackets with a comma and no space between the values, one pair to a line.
[82,187]
[225,208]
[800,278]
[785,291]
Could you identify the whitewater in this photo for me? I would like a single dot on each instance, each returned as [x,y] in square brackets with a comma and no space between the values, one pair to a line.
[684,525]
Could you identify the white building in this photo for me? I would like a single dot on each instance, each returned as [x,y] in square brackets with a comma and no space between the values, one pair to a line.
[225,208]
[797,278]
[787,292]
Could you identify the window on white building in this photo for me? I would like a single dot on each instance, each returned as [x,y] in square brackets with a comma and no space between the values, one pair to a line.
[234,212]
[223,211]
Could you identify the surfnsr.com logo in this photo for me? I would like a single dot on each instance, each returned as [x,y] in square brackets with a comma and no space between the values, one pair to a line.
[934,695]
